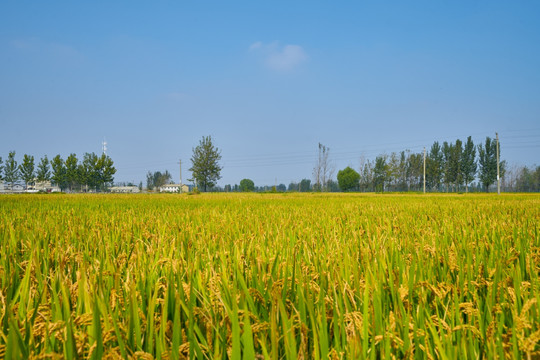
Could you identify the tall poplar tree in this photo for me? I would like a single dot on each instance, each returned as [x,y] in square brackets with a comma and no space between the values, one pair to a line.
[27,170]
[447,173]
[454,165]
[468,163]
[43,170]
[434,166]
[72,171]
[487,159]
[58,172]
[11,171]
[380,173]
[106,170]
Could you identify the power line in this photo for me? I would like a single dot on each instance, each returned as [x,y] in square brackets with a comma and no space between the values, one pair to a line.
[341,153]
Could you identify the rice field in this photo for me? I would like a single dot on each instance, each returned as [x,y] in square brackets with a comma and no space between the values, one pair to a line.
[270,276]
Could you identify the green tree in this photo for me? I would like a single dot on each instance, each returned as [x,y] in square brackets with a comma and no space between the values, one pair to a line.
[380,173]
[88,171]
[468,163]
[1,169]
[72,171]
[149,181]
[43,170]
[434,166]
[161,178]
[404,171]
[58,172]
[205,164]
[415,170]
[247,185]
[305,185]
[11,170]
[106,170]
[392,170]
[27,170]
[487,159]
[348,179]
[455,175]
[447,173]
[87,175]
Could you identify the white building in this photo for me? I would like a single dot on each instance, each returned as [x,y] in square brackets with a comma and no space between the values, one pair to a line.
[16,188]
[43,186]
[125,189]
[174,188]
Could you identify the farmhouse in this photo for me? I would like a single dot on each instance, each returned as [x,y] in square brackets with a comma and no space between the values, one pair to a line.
[174,188]
[14,188]
[125,189]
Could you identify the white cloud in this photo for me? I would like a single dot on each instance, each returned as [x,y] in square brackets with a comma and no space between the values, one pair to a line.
[280,58]
[255,46]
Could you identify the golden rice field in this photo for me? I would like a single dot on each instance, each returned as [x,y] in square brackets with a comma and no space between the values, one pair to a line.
[272,276]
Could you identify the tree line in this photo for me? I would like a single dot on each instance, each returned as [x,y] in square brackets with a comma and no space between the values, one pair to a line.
[92,172]
[449,167]
[522,179]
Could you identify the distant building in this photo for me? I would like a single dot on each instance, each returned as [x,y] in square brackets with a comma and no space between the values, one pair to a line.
[41,185]
[16,188]
[174,188]
[44,186]
[125,189]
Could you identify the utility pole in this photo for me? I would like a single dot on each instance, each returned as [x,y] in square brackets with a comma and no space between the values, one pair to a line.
[424,169]
[180,163]
[498,175]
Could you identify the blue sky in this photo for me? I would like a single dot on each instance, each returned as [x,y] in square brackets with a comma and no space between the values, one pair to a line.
[268,81]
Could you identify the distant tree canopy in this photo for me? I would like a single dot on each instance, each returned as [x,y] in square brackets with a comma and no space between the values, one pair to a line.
[11,171]
[26,169]
[305,185]
[380,173]
[155,180]
[487,159]
[523,179]
[94,172]
[205,164]
[348,179]
[247,185]
[43,170]
[323,170]
[450,166]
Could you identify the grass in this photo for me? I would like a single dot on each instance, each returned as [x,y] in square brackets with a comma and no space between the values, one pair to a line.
[277,276]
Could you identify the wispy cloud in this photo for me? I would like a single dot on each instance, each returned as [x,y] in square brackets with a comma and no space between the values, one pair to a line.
[51,48]
[256,45]
[279,57]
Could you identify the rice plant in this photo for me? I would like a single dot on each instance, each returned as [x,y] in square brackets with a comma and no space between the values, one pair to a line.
[273,276]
